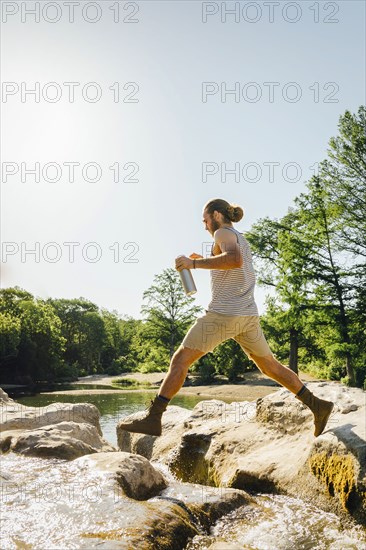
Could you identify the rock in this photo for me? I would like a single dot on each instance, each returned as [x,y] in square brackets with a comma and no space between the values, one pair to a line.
[349,408]
[4,398]
[66,440]
[270,447]
[14,416]
[182,511]
[61,430]
[134,473]
[177,512]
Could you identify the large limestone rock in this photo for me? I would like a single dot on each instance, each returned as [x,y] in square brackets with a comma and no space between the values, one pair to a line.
[61,430]
[87,502]
[134,473]
[171,522]
[268,445]
[14,416]
[66,440]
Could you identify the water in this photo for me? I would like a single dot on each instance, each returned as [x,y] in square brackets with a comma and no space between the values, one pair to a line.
[54,504]
[112,406]
[280,523]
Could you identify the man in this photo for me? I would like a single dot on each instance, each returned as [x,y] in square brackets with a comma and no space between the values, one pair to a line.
[232,313]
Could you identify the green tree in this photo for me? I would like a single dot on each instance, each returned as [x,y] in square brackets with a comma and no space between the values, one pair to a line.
[230,360]
[168,310]
[80,324]
[328,280]
[32,345]
[314,256]
[10,334]
[270,240]
[112,342]
[93,337]
[42,344]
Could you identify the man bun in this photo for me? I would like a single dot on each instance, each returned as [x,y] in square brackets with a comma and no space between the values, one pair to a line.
[235,212]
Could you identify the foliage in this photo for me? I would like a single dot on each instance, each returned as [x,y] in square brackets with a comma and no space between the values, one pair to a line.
[314,259]
[169,311]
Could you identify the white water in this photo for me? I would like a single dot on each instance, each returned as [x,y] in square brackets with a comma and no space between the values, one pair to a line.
[54,504]
[51,503]
[280,523]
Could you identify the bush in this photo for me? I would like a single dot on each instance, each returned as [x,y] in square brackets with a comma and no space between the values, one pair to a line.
[345,380]
[206,370]
[120,365]
[337,372]
[130,382]
[151,366]
[66,371]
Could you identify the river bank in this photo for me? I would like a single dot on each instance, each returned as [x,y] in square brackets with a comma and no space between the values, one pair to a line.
[255,385]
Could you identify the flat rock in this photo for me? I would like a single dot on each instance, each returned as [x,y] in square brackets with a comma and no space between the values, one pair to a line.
[14,416]
[65,440]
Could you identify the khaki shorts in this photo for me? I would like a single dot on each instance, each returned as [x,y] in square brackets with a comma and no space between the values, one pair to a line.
[212,328]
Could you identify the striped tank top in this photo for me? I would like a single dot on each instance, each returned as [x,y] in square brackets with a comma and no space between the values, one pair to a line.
[233,289]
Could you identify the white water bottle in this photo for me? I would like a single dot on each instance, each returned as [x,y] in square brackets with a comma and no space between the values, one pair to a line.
[187,280]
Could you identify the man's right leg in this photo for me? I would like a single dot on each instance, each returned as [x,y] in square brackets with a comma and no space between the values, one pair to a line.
[320,408]
[257,349]
[203,336]
[151,423]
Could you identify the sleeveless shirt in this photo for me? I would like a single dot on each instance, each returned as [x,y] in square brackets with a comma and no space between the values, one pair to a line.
[233,289]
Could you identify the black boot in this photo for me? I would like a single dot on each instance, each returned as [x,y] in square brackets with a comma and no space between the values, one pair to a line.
[320,408]
[149,424]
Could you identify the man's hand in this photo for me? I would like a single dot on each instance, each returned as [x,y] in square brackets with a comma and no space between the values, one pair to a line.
[183,262]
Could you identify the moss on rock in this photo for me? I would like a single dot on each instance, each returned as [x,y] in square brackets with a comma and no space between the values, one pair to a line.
[337,473]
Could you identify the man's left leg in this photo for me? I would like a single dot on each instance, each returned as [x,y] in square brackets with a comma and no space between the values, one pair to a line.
[151,423]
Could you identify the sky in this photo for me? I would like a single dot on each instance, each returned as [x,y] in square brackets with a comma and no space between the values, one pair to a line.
[120,120]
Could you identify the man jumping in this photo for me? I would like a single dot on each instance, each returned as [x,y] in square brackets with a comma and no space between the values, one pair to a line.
[232,313]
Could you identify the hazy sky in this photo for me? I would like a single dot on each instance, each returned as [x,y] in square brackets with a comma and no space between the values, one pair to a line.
[169,94]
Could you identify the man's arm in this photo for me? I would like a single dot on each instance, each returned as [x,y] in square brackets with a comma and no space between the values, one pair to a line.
[230,257]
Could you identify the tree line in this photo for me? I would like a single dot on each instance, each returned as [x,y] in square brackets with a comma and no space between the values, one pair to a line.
[312,259]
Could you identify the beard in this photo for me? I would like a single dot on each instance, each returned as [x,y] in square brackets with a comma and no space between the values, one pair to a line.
[214,226]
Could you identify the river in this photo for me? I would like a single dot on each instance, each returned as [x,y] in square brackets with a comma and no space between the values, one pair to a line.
[44,507]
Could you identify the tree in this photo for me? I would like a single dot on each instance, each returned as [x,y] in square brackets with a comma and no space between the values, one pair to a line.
[345,175]
[80,323]
[325,276]
[230,360]
[41,345]
[169,311]
[269,240]
[32,345]
[312,256]
[10,333]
